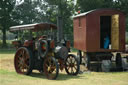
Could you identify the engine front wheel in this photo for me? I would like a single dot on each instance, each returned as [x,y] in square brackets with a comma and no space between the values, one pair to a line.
[72,65]
[51,68]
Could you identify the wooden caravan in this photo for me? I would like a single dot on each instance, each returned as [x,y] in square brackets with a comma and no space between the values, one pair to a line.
[99,33]
[91,28]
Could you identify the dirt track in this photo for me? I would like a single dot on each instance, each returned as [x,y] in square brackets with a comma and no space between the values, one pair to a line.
[6,62]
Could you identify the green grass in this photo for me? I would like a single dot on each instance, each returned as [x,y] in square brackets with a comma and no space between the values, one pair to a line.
[6,51]
[7,54]
[73,49]
[127,41]
[93,78]
[8,76]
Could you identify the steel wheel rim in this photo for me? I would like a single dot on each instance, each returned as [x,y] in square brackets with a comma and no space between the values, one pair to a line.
[50,68]
[71,65]
[22,61]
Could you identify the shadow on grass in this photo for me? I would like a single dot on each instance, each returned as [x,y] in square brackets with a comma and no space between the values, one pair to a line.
[61,76]
[6,51]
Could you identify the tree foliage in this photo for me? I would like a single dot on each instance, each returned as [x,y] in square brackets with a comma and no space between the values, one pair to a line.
[64,8]
[30,11]
[6,7]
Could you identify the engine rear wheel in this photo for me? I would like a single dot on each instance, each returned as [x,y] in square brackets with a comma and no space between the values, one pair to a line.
[51,68]
[72,65]
[23,61]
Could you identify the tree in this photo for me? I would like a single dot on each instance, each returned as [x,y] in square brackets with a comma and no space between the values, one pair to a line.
[26,12]
[86,5]
[64,8]
[6,7]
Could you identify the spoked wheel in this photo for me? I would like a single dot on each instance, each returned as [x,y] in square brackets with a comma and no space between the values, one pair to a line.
[72,65]
[23,61]
[51,68]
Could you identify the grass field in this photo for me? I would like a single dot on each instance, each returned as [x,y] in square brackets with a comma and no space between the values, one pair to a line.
[8,76]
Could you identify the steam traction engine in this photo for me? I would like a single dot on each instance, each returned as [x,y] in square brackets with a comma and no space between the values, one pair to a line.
[44,52]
